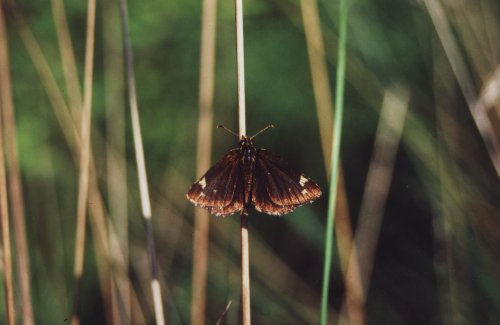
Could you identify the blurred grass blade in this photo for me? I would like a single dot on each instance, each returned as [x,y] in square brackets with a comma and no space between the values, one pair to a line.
[95,201]
[141,166]
[65,121]
[335,160]
[378,181]
[14,175]
[116,164]
[6,244]
[490,94]
[85,149]
[67,57]
[47,78]
[319,74]
[5,93]
[459,67]
[203,150]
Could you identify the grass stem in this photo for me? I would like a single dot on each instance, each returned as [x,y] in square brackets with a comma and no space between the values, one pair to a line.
[240,63]
[378,181]
[324,111]
[141,167]
[245,254]
[203,150]
[116,164]
[67,57]
[4,208]
[245,271]
[14,175]
[335,160]
[83,182]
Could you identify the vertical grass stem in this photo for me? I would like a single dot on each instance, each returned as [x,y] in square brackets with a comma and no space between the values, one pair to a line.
[83,182]
[245,255]
[14,175]
[204,146]
[141,167]
[335,160]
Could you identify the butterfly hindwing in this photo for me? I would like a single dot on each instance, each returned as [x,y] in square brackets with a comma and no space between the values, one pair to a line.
[279,189]
[218,189]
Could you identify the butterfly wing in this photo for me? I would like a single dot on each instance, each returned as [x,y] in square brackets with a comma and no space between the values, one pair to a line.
[220,189]
[279,189]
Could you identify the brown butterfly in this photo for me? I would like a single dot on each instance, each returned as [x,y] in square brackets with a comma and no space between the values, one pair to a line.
[248,175]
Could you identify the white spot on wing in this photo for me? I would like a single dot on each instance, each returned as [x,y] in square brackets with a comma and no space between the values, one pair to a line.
[304,191]
[303,181]
[202,194]
[203,183]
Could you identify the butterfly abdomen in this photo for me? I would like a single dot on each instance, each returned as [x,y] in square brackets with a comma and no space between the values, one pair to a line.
[248,166]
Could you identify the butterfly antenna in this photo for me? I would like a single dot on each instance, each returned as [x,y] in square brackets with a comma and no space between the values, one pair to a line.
[270,126]
[220,126]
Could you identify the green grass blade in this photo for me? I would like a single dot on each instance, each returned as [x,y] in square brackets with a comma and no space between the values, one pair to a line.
[335,160]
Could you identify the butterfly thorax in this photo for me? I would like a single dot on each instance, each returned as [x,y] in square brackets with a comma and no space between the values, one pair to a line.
[247,156]
[247,150]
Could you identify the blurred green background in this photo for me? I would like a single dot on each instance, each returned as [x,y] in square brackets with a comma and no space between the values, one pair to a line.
[437,257]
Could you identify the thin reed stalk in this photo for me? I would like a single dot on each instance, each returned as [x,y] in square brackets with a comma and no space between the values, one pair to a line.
[204,146]
[14,175]
[83,181]
[240,65]
[4,205]
[245,254]
[141,166]
[335,160]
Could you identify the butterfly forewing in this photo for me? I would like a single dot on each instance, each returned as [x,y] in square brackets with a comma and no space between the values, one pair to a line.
[278,188]
[218,189]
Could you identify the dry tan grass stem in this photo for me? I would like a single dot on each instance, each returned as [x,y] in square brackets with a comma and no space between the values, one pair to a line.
[14,176]
[67,58]
[5,93]
[204,146]
[83,179]
[392,117]
[245,254]
[68,126]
